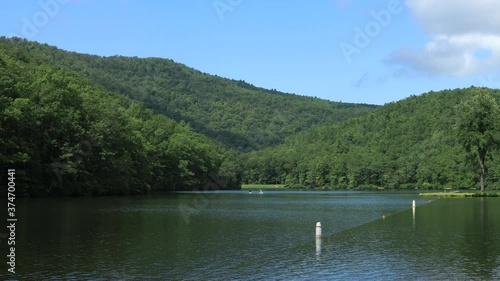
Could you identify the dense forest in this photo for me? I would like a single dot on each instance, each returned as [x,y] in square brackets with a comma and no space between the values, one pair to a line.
[235,113]
[411,143]
[65,135]
[76,124]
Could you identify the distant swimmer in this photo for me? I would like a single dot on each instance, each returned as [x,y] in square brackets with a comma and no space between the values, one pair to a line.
[250,191]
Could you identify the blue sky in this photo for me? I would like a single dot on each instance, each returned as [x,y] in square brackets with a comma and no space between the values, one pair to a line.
[342,50]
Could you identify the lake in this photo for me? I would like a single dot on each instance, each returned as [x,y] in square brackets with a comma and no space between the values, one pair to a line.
[233,235]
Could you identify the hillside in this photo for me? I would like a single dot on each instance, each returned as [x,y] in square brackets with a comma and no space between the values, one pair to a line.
[235,113]
[76,124]
[406,144]
[66,135]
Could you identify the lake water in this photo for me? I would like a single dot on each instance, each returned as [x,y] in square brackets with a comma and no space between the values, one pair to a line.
[234,235]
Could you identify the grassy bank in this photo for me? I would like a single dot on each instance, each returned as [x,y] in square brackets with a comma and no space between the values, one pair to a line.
[448,194]
[262,186]
[462,194]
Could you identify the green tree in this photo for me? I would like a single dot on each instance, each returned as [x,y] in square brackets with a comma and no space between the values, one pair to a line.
[478,128]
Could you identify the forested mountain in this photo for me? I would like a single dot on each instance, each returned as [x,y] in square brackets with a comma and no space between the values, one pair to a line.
[75,124]
[66,135]
[238,114]
[407,144]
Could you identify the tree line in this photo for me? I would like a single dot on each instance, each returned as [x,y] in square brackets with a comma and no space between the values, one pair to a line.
[446,139]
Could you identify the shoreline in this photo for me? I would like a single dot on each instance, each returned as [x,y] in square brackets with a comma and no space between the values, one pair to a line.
[461,194]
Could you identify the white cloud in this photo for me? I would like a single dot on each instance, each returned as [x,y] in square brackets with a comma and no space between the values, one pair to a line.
[465,37]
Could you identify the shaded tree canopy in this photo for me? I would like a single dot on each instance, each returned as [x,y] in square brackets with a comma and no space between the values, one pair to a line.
[478,128]
[66,135]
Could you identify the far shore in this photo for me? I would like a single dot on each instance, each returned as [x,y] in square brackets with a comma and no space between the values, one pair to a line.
[461,194]
[262,186]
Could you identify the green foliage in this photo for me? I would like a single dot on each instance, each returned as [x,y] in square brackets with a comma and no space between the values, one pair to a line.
[65,135]
[405,144]
[478,128]
[75,124]
[235,113]
[486,194]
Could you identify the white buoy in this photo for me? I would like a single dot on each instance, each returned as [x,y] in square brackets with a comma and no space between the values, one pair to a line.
[414,217]
[414,205]
[318,246]
[318,229]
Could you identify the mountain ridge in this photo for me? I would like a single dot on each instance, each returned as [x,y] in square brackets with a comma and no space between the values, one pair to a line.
[233,112]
